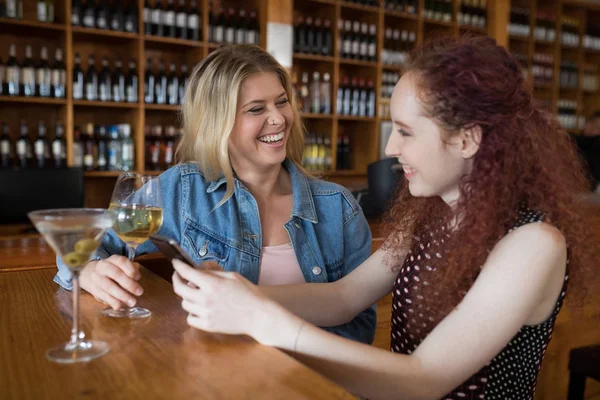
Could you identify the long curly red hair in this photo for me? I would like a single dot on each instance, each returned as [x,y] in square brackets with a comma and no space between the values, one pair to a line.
[524,159]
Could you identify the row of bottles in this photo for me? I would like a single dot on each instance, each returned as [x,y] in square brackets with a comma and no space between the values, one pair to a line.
[518,24]
[117,15]
[160,88]
[355,98]
[160,144]
[388,82]
[569,36]
[405,6]
[372,3]
[313,38]
[568,75]
[31,78]
[567,115]
[591,40]
[317,152]
[589,82]
[542,69]
[105,85]
[358,40]
[315,96]
[172,21]
[472,13]
[397,45]
[104,147]
[233,27]
[11,9]
[545,26]
[28,153]
[439,10]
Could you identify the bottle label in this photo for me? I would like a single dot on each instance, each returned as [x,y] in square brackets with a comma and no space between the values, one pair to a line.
[5,147]
[372,51]
[75,19]
[88,21]
[218,34]
[22,148]
[57,149]
[88,160]
[146,14]
[131,95]
[28,76]
[90,91]
[101,161]
[181,19]
[129,26]
[193,21]
[230,35]
[104,92]
[169,155]
[41,11]
[11,8]
[169,18]
[251,37]
[77,154]
[156,14]
[39,148]
[240,36]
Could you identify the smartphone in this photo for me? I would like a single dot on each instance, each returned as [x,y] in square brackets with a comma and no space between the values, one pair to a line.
[171,249]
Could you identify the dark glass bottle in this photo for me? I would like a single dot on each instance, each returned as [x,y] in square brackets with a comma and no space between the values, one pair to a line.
[78,79]
[132,83]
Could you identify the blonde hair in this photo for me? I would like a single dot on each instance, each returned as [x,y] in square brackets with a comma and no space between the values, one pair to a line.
[209,109]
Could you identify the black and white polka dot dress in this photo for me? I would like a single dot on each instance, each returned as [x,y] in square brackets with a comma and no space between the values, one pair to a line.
[511,374]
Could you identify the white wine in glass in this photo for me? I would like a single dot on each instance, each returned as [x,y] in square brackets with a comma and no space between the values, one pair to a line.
[137,204]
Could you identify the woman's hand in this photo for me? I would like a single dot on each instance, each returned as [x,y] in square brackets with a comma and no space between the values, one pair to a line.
[113,281]
[225,302]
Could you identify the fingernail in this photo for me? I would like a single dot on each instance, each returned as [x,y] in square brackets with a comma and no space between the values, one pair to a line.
[137,277]
[139,292]
[131,302]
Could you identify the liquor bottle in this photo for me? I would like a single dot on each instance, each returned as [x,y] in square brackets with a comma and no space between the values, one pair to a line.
[160,84]
[43,75]
[76,13]
[12,9]
[131,83]
[347,40]
[304,93]
[113,149]
[89,15]
[117,17]
[131,17]
[155,148]
[325,93]
[364,42]
[356,39]
[149,84]
[240,32]
[59,147]
[13,73]
[327,146]
[78,79]
[59,76]
[309,40]
[157,17]
[181,21]
[327,48]
[315,93]
[169,20]
[23,147]
[362,99]
[319,37]
[193,22]
[372,44]
[172,86]
[219,27]
[6,155]
[127,148]
[28,74]
[118,82]
[347,97]
[299,35]
[2,78]
[91,80]
[252,32]
[147,18]
[89,148]
[41,147]
[101,14]
[77,148]
[355,98]
[371,99]
[42,11]
[170,137]
[104,82]
[230,26]
[182,81]
[102,148]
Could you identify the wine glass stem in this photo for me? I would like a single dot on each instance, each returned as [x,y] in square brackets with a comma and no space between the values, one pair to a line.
[130,252]
[76,335]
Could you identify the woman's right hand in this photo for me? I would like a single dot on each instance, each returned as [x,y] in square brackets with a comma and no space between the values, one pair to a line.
[113,281]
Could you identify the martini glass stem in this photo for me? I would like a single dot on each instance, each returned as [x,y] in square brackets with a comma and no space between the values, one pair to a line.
[77,335]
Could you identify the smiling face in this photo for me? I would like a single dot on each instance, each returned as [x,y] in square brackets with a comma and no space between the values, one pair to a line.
[433,164]
[264,118]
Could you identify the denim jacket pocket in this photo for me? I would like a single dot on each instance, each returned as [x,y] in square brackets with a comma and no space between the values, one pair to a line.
[335,270]
[202,246]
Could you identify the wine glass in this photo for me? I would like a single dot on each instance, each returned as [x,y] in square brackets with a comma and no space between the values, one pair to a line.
[137,203]
[74,234]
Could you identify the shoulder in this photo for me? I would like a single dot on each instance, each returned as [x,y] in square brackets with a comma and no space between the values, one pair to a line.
[177,173]
[332,192]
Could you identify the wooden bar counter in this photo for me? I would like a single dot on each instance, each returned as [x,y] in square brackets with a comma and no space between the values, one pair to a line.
[156,358]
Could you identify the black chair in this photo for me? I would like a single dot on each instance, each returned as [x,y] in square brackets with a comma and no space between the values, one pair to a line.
[26,190]
[584,362]
[383,178]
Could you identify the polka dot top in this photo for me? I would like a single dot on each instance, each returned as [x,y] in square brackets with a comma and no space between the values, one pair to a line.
[511,374]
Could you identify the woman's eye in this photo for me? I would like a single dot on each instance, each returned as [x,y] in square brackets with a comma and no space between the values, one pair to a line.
[283,102]
[403,132]
[255,110]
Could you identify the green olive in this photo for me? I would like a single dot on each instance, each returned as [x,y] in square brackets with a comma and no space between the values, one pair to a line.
[85,247]
[74,260]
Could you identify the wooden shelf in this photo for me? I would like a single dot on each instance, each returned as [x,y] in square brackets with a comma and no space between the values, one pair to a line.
[102,174]
[389,67]
[104,104]
[162,107]
[313,57]
[402,15]
[32,24]
[212,45]
[360,7]
[316,116]
[384,100]
[544,86]
[519,38]
[591,51]
[349,61]
[352,118]
[333,2]
[471,28]
[439,23]
[32,100]
[544,42]
[173,41]
[81,31]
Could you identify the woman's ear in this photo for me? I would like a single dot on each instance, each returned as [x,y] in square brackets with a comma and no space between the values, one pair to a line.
[470,139]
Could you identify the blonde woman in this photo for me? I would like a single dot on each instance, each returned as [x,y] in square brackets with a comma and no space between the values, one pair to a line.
[240,196]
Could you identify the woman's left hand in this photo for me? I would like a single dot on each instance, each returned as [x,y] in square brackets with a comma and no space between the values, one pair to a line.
[225,302]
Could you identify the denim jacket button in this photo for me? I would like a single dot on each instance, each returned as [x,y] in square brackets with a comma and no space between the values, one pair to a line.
[203,251]
[297,225]
[317,270]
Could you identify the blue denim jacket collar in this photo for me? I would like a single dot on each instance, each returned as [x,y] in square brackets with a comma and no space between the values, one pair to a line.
[304,206]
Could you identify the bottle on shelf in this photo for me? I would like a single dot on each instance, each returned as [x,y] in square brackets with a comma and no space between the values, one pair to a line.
[325,93]
[104,82]
[59,76]
[172,86]
[43,75]
[116,17]
[91,80]
[127,148]
[147,16]
[102,148]
[78,79]
[6,147]
[28,73]
[42,147]
[132,83]
[160,84]
[102,16]
[182,81]
[76,13]
[2,78]
[89,147]
[89,15]
[131,17]
[118,82]
[23,147]
[13,73]
[252,31]
[45,10]
[149,84]
[77,148]
[170,139]
[315,93]
[230,26]
[218,29]
[241,29]
[59,147]
[169,20]
[181,19]
[14,9]
[113,149]
[157,17]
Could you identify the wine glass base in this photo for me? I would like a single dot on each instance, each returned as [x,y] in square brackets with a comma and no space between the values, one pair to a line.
[132,313]
[80,352]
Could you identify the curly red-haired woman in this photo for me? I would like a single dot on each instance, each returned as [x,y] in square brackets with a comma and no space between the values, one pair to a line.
[485,238]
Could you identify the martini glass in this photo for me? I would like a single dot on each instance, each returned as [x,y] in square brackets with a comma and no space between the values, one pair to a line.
[74,234]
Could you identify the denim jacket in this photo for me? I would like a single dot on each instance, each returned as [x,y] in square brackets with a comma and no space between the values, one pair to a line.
[327,229]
